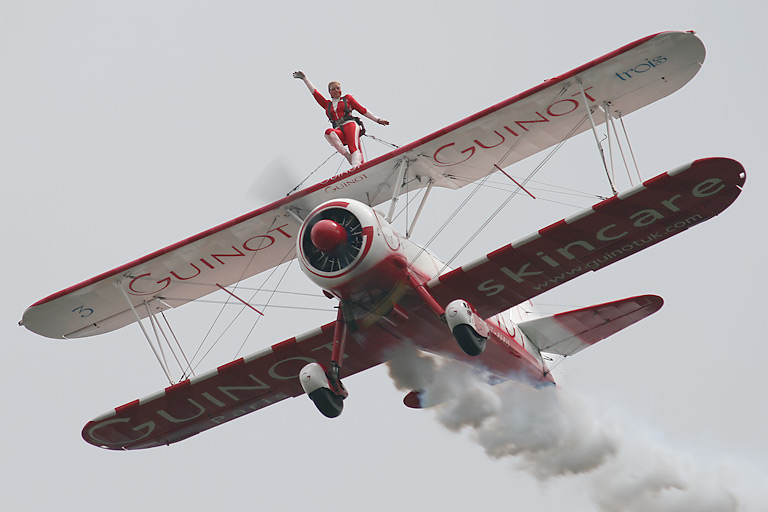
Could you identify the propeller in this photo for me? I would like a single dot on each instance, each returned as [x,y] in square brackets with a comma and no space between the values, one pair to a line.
[275,181]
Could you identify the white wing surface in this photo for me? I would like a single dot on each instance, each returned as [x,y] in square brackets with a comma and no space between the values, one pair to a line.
[620,82]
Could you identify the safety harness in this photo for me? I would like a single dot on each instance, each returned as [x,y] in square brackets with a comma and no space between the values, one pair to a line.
[345,118]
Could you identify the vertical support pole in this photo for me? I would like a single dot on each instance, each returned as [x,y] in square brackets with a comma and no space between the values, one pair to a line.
[396,189]
[608,118]
[597,138]
[409,232]
[629,145]
[178,344]
[339,341]
[159,328]
[621,151]
[146,335]
[152,322]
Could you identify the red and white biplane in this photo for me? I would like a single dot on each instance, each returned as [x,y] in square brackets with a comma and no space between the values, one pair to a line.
[391,291]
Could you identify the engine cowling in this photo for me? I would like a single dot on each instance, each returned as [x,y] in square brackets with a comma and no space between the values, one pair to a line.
[346,247]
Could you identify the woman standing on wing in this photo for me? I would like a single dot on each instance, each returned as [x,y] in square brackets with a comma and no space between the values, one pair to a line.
[346,128]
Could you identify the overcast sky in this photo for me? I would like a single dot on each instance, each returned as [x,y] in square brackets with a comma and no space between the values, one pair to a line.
[127,126]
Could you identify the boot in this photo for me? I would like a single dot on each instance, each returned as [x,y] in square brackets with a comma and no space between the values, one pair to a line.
[335,141]
[356,159]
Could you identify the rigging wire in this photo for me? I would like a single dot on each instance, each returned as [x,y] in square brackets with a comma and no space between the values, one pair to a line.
[294,189]
[273,292]
[483,182]
[221,310]
[178,344]
[287,267]
[154,321]
[507,187]
[244,308]
[512,194]
[484,179]
[240,287]
[384,142]
[276,306]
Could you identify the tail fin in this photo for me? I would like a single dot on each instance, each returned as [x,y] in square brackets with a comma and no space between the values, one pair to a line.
[572,331]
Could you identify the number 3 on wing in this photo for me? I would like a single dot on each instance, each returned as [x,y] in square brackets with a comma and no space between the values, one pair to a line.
[84,312]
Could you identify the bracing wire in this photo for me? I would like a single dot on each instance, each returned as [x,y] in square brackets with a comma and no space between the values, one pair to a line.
[384,142]
[223,307]
[512,194]
[245,340]
[231,323]
[294,189]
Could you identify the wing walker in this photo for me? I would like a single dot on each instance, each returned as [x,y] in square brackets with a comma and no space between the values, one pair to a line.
[391,291]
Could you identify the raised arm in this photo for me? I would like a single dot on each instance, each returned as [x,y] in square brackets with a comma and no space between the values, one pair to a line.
[312,89]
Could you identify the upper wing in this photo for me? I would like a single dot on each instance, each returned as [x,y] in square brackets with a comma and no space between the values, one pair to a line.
[173,276]
[620,82]
[595,238]
[230,391]
[572,331]
[626,79]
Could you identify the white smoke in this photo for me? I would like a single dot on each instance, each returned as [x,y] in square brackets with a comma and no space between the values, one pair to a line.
[553,433]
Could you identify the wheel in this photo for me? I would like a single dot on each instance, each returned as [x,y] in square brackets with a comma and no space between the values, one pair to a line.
[470,342]
[327,402]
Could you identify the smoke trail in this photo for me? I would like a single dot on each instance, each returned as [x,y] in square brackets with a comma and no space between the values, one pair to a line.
[552,433]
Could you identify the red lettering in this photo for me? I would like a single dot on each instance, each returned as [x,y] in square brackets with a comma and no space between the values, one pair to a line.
[590,98]
[218,257]
[489,147]
[261,242]
[164,282]
[280,229]
[177,276]
[470,149]
[510,130]
[541,119]
[573,103]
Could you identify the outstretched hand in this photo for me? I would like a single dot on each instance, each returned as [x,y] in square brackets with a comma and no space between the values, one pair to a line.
[299,74]
[383,121]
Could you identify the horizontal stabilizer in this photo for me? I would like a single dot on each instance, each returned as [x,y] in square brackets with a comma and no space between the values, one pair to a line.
[572,331]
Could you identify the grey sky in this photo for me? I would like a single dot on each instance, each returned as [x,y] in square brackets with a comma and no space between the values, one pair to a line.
[125,127]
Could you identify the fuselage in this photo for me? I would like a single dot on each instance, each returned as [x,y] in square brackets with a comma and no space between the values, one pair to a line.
[371,268]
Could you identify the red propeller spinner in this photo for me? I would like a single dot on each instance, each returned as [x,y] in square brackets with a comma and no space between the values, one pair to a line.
[328,235]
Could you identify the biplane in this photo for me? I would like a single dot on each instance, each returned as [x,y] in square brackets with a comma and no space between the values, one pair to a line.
[392,292]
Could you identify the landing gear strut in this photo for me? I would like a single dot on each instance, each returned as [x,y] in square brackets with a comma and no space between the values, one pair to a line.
[469,329]
[325,388]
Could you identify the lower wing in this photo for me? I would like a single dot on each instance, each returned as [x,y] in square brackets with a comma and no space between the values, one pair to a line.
[230,391]
[599,236]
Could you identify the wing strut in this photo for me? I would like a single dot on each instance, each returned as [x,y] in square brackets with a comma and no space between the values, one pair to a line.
[629,145]
[608,115]
[597,138]
[409,231]
[397,187]
[119,284]
[188,367]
